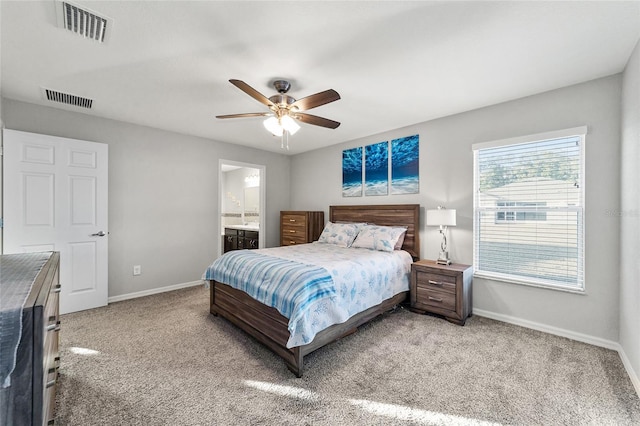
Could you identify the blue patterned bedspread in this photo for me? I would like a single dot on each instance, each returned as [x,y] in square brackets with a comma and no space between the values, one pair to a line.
[314,285]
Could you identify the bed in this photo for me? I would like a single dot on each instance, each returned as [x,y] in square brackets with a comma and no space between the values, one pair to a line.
[267,325]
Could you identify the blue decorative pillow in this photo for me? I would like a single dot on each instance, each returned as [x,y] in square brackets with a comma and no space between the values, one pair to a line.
[340,234]
[382,238]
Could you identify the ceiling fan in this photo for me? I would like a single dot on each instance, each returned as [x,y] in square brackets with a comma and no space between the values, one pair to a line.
[285,109]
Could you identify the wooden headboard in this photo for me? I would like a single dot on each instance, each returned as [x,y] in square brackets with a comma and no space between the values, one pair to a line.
[385,215]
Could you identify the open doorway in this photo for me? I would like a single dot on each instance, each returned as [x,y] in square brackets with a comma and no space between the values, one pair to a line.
[241,202]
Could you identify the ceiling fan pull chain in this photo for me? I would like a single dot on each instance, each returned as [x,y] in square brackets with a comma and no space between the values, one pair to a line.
[284,141]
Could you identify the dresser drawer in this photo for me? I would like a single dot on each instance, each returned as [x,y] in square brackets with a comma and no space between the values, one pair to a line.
[294,220]
[436,299]
[437,282]
[288,240]
[291,231]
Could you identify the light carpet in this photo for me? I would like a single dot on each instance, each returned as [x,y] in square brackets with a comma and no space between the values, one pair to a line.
[164,360]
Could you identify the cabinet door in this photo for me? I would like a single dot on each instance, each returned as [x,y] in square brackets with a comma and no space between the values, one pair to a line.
[250,239]
[230,240]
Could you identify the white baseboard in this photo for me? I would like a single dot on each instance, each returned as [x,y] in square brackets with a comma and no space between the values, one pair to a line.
[154,291]
[632,374]
[585,338]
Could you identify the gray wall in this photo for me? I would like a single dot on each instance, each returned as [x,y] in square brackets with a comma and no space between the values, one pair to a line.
[630,215]
[163,193]
[446,177]
[1,126]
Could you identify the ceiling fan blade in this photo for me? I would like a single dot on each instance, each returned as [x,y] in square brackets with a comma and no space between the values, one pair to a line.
[316,100]
[316,121]
[252,92]
[248,114]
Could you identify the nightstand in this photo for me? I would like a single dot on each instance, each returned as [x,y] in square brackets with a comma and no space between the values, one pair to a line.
[441,289]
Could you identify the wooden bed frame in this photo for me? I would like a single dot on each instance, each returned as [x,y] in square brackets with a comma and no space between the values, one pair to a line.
[270,328]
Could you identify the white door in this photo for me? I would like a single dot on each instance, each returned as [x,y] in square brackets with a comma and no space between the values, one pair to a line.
[55,199]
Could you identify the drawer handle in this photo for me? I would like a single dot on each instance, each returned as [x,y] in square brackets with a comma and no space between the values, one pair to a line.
[51,383]
[435,299]
[57,288]
[292,220]
[292,242]
[292,231]
[438,283]
[55,326]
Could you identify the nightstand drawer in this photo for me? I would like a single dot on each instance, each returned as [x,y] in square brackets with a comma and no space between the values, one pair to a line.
[436,282]
[436,299]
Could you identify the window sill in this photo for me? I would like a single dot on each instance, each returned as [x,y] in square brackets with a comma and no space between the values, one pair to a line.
[490,277]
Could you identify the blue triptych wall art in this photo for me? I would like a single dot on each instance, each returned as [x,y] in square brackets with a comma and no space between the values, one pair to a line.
[400,161]
[352,172]
[376,169]
[405,170]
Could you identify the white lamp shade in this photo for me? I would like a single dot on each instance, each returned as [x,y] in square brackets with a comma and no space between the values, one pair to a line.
[272,125]
[289,124]
[441,217]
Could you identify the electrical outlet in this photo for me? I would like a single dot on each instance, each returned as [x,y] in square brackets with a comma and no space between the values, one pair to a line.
[137,270]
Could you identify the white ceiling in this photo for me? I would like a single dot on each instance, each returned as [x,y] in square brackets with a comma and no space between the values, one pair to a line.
[167,64]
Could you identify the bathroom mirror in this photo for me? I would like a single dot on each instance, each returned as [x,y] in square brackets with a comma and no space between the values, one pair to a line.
[252,204]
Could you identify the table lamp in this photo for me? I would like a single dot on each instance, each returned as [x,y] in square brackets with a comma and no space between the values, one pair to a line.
[442,218]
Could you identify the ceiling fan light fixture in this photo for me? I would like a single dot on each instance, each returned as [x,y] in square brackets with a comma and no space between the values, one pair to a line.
[289,124]
[285,110]
[272,125]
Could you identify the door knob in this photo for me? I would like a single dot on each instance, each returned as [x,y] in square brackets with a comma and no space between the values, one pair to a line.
[98,234]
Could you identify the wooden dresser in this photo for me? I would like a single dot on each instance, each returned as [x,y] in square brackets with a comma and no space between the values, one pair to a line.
[441,289]
[29,398]
[300,227]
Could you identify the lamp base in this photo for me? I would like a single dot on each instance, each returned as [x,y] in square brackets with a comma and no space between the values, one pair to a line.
[443,258]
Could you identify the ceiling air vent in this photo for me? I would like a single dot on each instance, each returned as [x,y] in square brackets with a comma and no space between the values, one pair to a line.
[67,99]
[82,21]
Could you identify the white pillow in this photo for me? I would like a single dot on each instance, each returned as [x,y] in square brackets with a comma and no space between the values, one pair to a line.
[340,234]
[382,238]
[400,241]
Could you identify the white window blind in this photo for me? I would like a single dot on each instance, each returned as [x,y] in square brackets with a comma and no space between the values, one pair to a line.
[529,209]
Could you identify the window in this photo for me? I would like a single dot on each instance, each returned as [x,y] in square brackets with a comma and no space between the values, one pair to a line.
[529,209]
[506,214]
